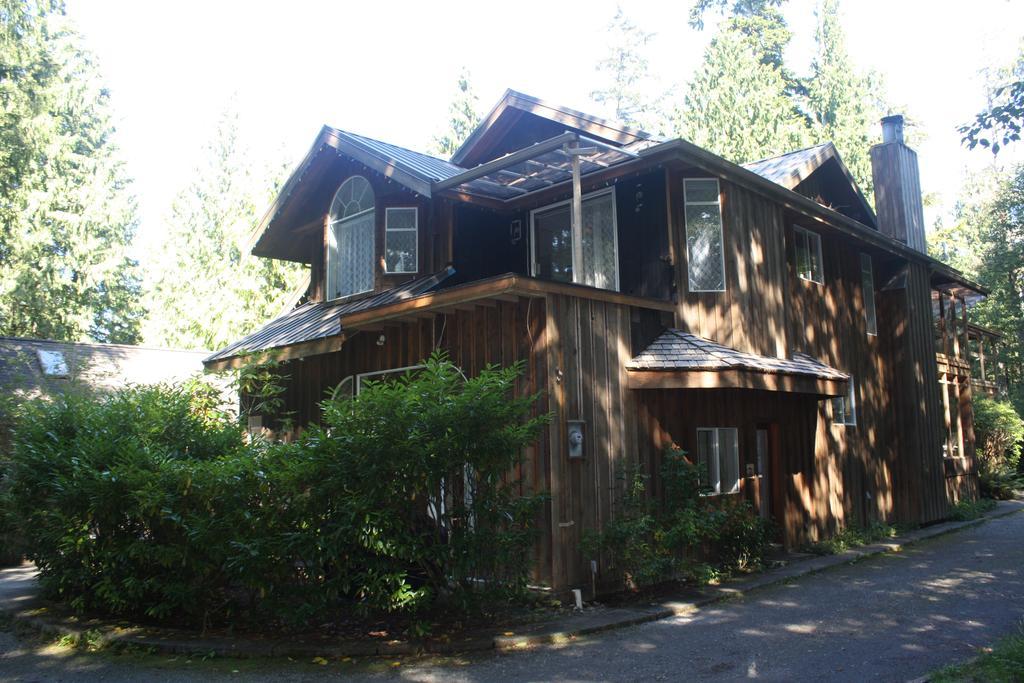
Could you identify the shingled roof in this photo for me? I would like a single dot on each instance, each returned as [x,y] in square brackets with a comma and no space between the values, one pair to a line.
[678,350]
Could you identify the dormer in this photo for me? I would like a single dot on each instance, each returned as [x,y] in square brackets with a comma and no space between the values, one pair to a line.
[518,121]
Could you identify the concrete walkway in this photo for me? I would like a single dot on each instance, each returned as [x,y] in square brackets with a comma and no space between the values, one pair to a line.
[888,618]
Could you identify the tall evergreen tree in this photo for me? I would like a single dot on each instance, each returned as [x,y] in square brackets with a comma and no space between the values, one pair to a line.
[626,73]
[207,289]
[737,104]
[844,103]
[463,117]
[67,212]
[987,242]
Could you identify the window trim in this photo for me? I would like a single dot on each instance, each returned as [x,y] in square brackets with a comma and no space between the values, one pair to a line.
[575,270]
[332,235]
[797,230]
[721,232]
[872,319]
[717,489]
[359,376]
[851,396]
[415,230]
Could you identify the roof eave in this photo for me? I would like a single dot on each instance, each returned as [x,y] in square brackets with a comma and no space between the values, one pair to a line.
[790,199]
[330,137]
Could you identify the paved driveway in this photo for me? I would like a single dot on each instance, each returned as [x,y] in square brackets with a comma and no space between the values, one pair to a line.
[890,618]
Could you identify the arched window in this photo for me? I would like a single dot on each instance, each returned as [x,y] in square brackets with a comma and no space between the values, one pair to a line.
[350,239]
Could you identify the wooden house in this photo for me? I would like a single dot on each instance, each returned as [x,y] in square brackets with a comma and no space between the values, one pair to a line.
[764,317]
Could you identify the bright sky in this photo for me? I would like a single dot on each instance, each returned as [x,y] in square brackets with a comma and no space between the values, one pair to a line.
[387,69]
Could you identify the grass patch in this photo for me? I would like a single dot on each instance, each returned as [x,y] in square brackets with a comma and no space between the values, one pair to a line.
[852,537]
[971,509]
[1003,663]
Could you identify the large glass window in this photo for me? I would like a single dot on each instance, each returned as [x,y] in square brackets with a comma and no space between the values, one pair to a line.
[718,453]
[867,285]
[400,239]
[350,239]
[554,257]
[705,250]
[808,255]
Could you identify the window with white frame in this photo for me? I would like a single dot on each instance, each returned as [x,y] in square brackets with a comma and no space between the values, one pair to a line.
[844,408]
[350,239]
[808,255]
[718,454]
[867,285]
[401,235]
[705,247]
[380,375]
[596,263]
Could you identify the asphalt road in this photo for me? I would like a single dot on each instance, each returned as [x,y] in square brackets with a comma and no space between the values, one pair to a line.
[890,618]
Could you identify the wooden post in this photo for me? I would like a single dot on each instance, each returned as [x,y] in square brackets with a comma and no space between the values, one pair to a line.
[981,355]
[954,337]
[943,323]
[965,340]
[577,222]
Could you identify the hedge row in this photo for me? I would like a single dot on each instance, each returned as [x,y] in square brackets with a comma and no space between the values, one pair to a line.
[150,501]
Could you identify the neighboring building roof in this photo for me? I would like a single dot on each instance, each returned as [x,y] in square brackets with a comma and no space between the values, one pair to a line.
[36,366]
[678,350]
[318,320]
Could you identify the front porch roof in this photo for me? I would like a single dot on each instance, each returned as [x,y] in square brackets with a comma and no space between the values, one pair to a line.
[321,326]
[681,360]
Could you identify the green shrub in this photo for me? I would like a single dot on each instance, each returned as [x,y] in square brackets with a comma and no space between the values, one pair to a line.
[999,432]
[853,537]
[683,534]
[971,509]
[10,540]
[150,501]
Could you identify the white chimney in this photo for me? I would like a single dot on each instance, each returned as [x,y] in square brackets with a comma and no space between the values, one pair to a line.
[898,186]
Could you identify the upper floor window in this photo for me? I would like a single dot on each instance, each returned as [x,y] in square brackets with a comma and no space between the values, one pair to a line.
[350,239]
[401,235]
[808,255]
[844,408]
[705,249]
[555,256]
[867,285]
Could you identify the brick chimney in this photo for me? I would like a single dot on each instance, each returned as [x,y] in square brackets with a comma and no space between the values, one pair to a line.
[897,186]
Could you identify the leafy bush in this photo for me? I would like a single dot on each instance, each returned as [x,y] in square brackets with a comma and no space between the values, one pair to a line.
[972,509]
[150,501]
[681,534]
[10,540]
[999,431]
[853,537]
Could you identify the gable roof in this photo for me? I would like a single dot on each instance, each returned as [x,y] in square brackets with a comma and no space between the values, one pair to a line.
[791,169]
[678,350]
[514,103]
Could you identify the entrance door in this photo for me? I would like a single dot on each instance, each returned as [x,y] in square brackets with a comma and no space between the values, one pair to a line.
[764,477]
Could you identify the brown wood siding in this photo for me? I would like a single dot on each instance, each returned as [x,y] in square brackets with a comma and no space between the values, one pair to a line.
[588,347]
[750,314]
[672,418]
[857,474]
[500,332]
